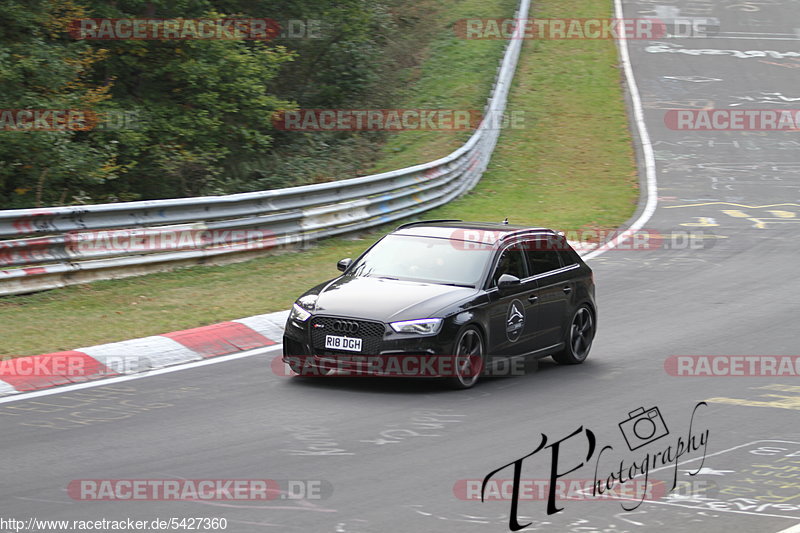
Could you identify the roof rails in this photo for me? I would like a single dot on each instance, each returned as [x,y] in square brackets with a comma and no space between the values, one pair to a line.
[434,221]
[516,233]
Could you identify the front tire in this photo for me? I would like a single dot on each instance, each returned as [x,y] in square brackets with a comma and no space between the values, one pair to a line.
[469,358]
[579,337]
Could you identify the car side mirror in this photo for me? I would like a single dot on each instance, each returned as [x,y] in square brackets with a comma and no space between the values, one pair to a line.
[343,264]
[507,282]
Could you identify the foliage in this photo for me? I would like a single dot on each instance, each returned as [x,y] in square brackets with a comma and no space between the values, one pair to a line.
[185,117]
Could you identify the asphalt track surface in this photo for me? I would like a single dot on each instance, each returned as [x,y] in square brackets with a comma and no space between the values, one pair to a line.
[388,453]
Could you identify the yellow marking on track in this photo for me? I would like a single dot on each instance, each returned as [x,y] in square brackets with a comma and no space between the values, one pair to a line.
[735,213]
[780,387]
[702,222]
[729,203]
[785,402]
[761,223]
[783,214]
[704,236]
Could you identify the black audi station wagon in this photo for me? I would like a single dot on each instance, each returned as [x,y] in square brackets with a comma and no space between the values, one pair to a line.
[466,292]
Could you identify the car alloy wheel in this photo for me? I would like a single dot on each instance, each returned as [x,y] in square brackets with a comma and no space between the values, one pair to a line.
[469,358]
[579,338]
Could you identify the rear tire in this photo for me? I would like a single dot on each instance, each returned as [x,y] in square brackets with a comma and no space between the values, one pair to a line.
[469,358]
[578,339]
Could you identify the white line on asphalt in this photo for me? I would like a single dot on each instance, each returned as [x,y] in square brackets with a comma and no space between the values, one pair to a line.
[697,508]
[794,529]
[647,148]
[755,33]
[118,379]
[738,38]
[724,451]
[704,457]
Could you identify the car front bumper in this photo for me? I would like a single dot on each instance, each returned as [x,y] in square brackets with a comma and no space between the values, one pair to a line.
[386,354]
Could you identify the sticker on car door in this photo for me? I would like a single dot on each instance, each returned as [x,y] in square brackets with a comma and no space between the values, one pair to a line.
[515,320]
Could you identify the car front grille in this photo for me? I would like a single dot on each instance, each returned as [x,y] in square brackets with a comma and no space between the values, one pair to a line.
[370,333]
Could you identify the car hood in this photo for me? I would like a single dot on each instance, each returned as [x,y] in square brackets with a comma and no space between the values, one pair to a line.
[384,299]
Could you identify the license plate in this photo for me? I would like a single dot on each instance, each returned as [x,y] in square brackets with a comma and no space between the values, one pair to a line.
[333,342]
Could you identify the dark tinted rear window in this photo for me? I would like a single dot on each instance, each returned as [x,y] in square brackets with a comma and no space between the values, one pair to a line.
[541,261]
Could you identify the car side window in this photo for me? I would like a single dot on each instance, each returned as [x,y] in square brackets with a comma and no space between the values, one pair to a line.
[541,258]
[512,262]
[566,258]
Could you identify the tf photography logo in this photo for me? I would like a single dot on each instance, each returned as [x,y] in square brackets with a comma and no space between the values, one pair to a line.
[641,428]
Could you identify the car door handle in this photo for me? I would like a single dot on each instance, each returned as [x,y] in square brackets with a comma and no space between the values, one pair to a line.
[532,298]
[567,289]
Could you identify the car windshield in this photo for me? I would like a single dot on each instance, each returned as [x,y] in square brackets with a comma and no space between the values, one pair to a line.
[426,259]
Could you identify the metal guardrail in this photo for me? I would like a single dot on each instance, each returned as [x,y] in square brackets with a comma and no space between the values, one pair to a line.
[53,247]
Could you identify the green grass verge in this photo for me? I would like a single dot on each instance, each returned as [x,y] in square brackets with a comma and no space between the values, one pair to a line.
[570,166]
[456,74]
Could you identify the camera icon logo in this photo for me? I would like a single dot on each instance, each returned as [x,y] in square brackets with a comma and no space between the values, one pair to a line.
[643,427]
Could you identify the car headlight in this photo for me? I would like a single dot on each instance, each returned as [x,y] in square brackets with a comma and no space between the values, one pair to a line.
[299,314]
[423,326]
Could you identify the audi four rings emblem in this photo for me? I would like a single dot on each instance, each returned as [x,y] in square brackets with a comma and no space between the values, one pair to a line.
[345,326]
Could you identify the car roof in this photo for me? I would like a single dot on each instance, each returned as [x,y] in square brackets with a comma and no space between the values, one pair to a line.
[483,232]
